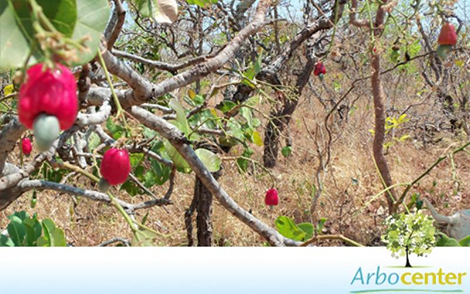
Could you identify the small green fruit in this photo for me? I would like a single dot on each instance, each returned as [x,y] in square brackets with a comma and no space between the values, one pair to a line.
[104,185]
[443,50]
[46,129]
[34,200]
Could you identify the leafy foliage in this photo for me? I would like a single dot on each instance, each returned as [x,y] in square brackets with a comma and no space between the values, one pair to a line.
[24,230]
[74,19]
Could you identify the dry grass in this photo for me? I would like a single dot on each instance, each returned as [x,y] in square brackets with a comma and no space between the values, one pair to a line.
[341,202]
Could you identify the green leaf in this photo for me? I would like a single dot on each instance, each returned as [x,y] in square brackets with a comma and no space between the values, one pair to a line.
[116,130]
[247,114]
[257,138]
[74,19]
[288,229]
[43,242]
[202,3]
[177,159]
[199,100]
[17,33]
[286,151]
[32,231]
[242,162]
[5,241]
[445,241]
[182,125]
[211,160]
[226,105]
[16,230]
[465,242]
[22,215]
[161,172]
[235,129]
[135,159]
[54,235]
[149,133]
[93,141]
[58,238]
[48,226]
[62,13]
[308,230]
[253,101]
[163,11]
[92,17]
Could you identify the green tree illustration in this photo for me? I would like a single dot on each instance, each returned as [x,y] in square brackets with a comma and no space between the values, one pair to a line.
[409,233]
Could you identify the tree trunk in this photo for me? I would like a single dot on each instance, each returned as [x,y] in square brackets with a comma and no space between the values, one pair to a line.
[408,257]
[281,119]
[379,135]
[203,199]
[202,204]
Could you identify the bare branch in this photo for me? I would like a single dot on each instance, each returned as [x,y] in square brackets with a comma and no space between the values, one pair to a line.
[119,16]
[173,68]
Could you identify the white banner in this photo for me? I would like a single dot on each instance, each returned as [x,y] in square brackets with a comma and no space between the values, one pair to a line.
[230,270]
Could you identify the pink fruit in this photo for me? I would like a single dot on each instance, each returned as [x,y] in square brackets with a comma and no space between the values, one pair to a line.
[26,147]
[271,198]
[447,36]
[49,92]
[115,166]
[320,69]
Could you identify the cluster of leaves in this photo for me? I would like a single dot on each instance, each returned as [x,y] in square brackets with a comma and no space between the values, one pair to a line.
[73,19]
[298,232]
[24,230]
[394,124]
[414,232]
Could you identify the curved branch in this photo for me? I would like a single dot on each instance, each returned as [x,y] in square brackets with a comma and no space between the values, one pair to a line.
[95,118]
[118,18]
[353,16]
[158,64]
[92,195]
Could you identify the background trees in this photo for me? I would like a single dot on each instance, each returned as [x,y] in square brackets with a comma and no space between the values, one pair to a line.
[205,98]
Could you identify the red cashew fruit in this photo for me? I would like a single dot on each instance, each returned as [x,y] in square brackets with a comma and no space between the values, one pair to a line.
[115,168]
[26,147]
[48,102]
[447,36]
[319,70]
[271,198]
[447,39]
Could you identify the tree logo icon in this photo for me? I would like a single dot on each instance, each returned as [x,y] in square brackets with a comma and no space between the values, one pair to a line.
[409,233]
